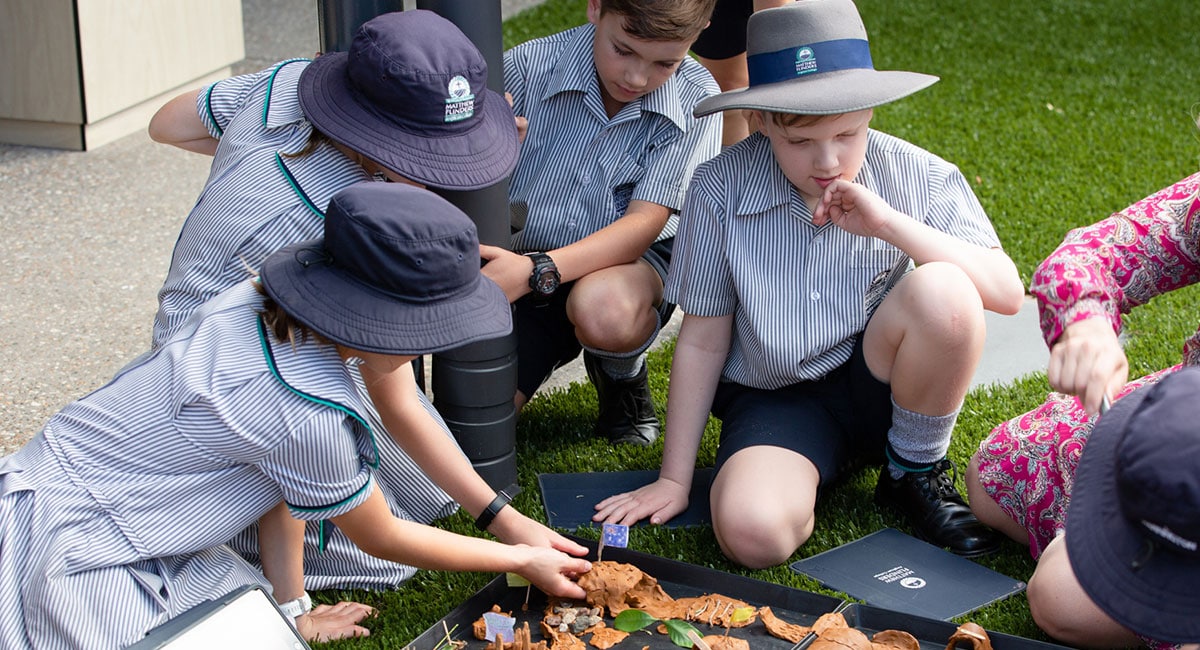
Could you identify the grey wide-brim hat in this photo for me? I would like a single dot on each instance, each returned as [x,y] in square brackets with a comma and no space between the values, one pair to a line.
[811,57]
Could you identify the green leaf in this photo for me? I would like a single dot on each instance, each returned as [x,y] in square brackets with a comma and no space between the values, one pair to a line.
[632,620]
[678,630]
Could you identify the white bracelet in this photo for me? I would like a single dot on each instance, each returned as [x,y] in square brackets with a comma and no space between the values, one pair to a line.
[297,607]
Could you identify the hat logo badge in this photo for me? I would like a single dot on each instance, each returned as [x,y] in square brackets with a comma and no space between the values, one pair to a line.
[460,103]
[806,61]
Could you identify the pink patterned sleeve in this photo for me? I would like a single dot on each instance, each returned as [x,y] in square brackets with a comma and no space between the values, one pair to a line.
[1111,266]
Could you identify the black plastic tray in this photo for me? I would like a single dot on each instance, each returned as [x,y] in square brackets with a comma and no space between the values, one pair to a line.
[681,580]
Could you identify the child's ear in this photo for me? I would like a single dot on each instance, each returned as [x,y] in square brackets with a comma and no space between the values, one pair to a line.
[754,119]
[593,12]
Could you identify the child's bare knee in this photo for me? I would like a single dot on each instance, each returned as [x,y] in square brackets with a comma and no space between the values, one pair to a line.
[761,547]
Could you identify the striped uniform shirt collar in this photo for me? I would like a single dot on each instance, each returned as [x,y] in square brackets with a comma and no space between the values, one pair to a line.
[281,113]
[774,190]
[575,71]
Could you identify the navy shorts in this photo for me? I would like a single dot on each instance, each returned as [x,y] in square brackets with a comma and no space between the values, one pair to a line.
[838,422]
[545,336]
[725,35]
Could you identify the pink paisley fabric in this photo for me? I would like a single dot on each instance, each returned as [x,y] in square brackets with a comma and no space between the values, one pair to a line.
[1028,463]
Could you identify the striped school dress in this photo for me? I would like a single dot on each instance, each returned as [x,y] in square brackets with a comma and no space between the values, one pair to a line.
[115,517]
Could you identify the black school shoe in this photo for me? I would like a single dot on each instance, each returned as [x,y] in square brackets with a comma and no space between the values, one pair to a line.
[626,410]
[936,511]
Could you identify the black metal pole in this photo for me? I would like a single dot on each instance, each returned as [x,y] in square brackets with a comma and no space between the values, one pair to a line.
[473,386]
[337,20]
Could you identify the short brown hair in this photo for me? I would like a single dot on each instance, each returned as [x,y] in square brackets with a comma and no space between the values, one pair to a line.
[661,20]
[282,325]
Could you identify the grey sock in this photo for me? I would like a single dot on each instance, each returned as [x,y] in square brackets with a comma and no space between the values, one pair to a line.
[917,441]
[622,368]
[625,365]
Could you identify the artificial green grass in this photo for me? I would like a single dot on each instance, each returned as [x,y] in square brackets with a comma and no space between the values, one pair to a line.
[1059,113]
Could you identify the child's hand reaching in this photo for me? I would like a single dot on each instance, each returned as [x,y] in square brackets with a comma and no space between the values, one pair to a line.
[853,208]
[660,501]
[553,571]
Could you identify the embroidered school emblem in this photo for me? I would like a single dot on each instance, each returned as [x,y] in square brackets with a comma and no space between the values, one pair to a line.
[460,103]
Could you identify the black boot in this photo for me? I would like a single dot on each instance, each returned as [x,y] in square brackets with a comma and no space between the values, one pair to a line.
[936,511]
[626,409]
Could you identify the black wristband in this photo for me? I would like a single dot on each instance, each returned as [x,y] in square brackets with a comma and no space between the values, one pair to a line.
[502,498]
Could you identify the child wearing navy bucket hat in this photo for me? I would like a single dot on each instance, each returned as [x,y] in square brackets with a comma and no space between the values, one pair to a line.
[407,102]
[834,280]
[263,408]
[1128,563]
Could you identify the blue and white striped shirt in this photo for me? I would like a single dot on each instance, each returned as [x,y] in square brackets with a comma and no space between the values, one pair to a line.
[578,170]
[188,446]
[257,199]
[799,295]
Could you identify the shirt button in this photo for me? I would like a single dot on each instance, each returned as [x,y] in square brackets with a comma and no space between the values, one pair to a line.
[816,295]
[584,178]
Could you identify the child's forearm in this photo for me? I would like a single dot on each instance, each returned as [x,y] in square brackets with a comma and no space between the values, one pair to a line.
[621,242]
[992,272]
[281,552]
[700,353]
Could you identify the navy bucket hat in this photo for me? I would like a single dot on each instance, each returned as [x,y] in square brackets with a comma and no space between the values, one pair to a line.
[1133,526]
[411,94]
[396,273]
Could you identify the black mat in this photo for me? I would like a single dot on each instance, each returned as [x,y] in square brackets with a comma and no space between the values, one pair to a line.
[681,580]
[899,572]
[570,499]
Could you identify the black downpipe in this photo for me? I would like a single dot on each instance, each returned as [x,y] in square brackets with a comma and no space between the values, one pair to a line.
[473,386]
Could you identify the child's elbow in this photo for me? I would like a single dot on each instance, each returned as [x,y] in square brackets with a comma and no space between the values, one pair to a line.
[1008,299]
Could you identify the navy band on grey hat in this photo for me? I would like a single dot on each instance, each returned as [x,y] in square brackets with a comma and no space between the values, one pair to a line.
[411,94]
[811,57]
[1133,525]
[397,272]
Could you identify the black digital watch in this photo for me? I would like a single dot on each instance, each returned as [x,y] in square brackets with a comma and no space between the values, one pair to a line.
[545,277]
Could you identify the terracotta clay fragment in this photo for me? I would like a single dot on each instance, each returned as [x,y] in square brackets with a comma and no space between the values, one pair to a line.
[895,640]
[712,609]
[779,628]
[561,640]
[617,587]
[606,637]
[841,638]
[970,633]
[723,642]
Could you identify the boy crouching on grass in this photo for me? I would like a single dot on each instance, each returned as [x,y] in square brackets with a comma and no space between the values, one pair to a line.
[611,146]
[834,280]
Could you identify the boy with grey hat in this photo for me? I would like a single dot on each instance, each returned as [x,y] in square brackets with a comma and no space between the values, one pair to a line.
[834,280]
[603,168]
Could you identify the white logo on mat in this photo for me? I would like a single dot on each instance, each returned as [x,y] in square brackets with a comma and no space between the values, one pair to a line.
[905,575]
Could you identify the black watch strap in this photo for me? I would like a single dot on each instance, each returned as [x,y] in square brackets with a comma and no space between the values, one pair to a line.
[503,497]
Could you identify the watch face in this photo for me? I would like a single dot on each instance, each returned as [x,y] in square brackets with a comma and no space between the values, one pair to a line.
[547,282]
